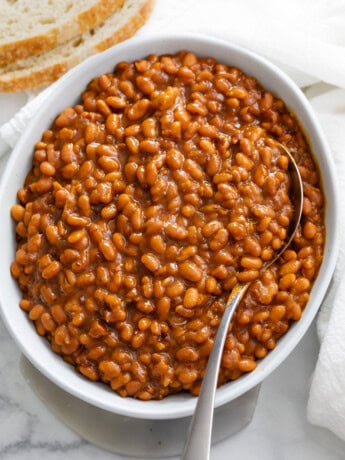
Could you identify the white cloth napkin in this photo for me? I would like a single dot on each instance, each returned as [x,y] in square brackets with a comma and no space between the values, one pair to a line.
[307,39]
[326,406]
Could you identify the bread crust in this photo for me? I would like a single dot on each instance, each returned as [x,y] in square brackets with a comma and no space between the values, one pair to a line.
[49,74]
[84,21]
[129,29]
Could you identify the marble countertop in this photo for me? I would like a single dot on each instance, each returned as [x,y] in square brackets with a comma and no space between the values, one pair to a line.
[279,429]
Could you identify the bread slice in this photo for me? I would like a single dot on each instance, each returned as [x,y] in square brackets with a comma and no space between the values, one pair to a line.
[32,27]
[47,67]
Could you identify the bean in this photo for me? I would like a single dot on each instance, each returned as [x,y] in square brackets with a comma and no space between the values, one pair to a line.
[176,232]
[190,271]
[246,365]
[248,275]
[76,236]
[278,312]
[51,270]
[113,123]
[301,284]
[149,128]
[48,322]
[266,156]
[309,230]
[145,85]
[175,289]
[116,102]
[151,262]
[193,169]
[186,253]
[58,313]
[163,308]
[151,173]
[220,240]
[139,109]
[290,267]
[52,234]
[287,281]
[17,212]
[158,244]
[187,355]
[211,227]
[36,312]
[164,100]
[76,221]
[47,168]
[110,369]
[174,159]
[108,250]
[254,263]
[191,298]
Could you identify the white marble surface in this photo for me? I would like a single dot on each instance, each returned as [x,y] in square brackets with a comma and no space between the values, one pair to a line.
[278,431]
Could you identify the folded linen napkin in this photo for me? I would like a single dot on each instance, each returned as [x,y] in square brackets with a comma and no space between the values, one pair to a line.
[326,406]
[307,39]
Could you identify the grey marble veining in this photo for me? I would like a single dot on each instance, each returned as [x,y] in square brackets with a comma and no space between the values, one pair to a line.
[27,429]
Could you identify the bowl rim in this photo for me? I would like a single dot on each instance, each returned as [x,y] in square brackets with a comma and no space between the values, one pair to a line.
[184,405]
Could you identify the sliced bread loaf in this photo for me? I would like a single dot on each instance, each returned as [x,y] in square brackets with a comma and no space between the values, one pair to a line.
[32,27]
[47,67]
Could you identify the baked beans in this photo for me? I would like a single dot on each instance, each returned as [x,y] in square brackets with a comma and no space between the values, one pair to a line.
[146,204]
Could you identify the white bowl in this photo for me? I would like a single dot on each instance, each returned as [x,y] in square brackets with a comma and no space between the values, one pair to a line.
[65,93]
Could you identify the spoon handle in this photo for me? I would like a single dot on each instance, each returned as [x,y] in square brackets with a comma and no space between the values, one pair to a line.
[198,442]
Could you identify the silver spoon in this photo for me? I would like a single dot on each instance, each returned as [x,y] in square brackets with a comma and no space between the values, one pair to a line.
[198,442]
